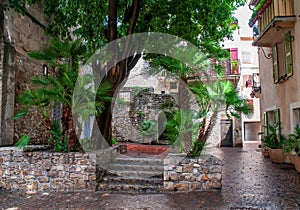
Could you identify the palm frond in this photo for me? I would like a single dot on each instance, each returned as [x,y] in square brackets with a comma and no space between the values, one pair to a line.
[23,141]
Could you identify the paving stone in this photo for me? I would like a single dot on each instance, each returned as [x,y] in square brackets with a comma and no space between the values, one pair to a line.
[249,182]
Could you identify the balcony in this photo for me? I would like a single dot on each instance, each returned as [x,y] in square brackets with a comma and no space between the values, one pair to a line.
[231,73]
[272,15]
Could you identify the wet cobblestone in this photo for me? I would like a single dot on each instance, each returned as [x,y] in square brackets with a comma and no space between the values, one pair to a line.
[250,181]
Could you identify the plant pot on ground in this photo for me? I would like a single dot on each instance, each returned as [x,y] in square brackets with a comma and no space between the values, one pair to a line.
[265,152]
[292,147]
[274,140]
[276,155]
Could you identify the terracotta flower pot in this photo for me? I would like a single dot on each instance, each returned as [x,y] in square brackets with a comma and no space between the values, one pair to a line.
[276,155]
[265,153]
[295,159]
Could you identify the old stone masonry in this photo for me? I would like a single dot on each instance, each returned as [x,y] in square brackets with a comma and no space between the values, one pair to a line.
[47,171]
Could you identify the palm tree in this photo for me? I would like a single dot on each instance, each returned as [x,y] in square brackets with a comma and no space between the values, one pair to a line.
[64,57]
[212,97]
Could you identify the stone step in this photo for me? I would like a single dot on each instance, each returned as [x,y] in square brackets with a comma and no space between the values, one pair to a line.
[133,188]
[127,167]
[133,180]
[138,161]
[136,173]
[131,184]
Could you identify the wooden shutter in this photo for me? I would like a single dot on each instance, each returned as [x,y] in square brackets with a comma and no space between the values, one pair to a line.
[288,55]
[275,64]
[277,120]
[265,123]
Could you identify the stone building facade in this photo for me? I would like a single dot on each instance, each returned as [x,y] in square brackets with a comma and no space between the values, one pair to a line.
[19,34]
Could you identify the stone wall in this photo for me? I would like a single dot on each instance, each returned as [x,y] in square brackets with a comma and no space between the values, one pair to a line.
[193,174]
[44,171]
[20,34]
[140,106]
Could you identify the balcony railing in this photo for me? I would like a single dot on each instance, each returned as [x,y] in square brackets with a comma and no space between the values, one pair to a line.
[231,68]
[272,12]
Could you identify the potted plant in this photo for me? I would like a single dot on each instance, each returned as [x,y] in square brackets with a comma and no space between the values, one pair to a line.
[274,141]
[292,147]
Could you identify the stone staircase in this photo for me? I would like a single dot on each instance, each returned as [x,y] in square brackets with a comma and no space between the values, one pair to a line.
[134,175]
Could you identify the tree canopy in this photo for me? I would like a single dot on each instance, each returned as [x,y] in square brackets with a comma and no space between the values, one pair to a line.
[204,23]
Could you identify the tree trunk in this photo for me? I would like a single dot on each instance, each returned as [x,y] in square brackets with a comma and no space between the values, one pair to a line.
[68,130]
[104,121]
[120,71]
[202,131]
[183,101]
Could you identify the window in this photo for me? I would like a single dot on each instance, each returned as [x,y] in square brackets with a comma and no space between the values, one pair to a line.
[234,61]
[295,115]
[246,57]
[296,118]
[271,118]
[282,59]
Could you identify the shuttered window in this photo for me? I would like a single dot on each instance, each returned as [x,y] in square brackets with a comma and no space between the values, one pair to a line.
[271,118]
[275,65]
[277,120]
[265,123]
[289,56]
[283,59]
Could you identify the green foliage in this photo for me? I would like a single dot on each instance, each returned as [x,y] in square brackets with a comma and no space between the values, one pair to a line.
[256,10]
[180,123]
[20,114]
[59,86]
[87,19]
[86,144]
[64,56]
[197,62]
[292,143]
[57,140]
[23,141]
[114,141]
[148,128]
[222,93]
[273,138]
[203,23]
[196,149]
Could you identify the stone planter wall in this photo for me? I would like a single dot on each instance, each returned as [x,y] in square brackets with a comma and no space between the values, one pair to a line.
[43,171]
[193,174]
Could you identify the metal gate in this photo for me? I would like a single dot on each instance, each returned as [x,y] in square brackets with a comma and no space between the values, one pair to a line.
[226,133]
[251,130]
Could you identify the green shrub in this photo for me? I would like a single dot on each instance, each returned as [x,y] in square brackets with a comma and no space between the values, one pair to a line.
[273,138]
[292,143]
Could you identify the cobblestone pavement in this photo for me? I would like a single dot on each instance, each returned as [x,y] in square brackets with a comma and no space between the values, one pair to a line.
[250,181]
